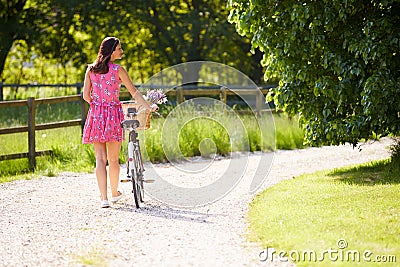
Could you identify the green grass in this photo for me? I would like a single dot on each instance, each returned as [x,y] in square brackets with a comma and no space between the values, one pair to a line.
[68,154]
[187,135]
[23,93]
[313,212]
[45,113]
[288,133]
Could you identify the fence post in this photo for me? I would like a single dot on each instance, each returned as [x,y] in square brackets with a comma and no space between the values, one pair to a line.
[259,100]
[31,132]
[78,88]
[222,95]
[179,95]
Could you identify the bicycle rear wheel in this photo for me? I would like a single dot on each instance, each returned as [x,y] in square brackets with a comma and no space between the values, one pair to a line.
[140,174]
[136,187]
[137,179]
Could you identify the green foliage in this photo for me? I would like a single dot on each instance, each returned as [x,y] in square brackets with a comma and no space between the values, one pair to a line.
[25,65]
[45,113]
[395,151]
[191,132]
[204,136]
[184,31]
[288,133]
[58,140]
[11,168]
[91,155]
[53,40]
[190,136]
[68,154]
[200,137]
[48,27]
[338,63]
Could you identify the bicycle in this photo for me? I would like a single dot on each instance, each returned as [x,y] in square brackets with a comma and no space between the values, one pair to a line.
[133,121]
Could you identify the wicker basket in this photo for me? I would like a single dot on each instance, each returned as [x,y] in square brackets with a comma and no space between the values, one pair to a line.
[143,115]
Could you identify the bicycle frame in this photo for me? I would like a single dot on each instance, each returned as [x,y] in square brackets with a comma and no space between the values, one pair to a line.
[134,164]
[134,147]
[135,167]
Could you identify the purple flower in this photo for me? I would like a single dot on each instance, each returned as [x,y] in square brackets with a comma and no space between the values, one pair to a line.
[156,96]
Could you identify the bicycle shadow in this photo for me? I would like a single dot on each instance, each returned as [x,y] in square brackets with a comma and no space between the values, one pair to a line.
[157,210]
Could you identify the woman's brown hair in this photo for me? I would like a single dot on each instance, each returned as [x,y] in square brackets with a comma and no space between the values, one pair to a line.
[107,47]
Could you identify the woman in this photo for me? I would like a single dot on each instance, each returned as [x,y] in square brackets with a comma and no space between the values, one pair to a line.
[103,124]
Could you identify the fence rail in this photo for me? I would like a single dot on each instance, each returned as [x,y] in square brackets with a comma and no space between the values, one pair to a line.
[31,103]
[78,87]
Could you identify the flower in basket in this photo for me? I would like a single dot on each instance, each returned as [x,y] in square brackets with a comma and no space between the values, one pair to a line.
[156,96]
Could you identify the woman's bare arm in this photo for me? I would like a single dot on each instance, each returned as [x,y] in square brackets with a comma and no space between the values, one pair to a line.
[123,75]
[87,87]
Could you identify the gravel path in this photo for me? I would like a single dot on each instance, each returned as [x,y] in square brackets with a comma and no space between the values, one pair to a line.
[57,221]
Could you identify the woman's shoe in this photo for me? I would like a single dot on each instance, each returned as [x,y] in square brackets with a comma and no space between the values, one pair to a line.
[115,199]
[105,204]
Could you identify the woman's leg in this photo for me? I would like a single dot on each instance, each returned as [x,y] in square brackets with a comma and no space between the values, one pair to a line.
[101,171]
[113,151]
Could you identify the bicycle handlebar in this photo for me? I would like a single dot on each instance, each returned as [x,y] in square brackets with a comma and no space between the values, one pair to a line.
[141,110]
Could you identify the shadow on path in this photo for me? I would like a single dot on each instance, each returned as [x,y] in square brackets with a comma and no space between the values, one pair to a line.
[157,210]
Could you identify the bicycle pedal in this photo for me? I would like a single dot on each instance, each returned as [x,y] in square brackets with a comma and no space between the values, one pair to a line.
[125,180]
[149,181]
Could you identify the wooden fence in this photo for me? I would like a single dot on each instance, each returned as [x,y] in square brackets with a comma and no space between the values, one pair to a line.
[31,128]
[78,87]
[31,103]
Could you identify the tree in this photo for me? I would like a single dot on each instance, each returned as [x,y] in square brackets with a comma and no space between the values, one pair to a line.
[155,34]
[338,63]
[194,30]
[10,28]
[47,26]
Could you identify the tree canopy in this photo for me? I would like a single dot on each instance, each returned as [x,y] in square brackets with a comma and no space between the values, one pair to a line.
[338,63]
[47,26]
[155,34]
[196,30]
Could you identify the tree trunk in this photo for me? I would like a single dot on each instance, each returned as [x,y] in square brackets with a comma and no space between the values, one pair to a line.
[5,46]
[9,29]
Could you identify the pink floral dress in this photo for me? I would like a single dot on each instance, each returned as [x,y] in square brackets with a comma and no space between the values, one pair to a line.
[103,122]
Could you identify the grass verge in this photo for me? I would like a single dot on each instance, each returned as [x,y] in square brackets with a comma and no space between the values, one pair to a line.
[309,218]
[196,136]
[65,143]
